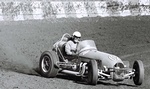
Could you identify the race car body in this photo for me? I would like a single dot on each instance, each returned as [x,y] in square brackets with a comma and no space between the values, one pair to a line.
[88,63]
[87,49]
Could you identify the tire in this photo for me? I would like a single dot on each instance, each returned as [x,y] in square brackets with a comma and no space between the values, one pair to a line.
[47,64]
[92,72]
[139,72]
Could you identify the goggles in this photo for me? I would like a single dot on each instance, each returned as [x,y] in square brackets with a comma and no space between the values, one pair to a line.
[77,37]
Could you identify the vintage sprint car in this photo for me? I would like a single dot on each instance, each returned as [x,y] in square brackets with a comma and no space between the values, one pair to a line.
[89,63]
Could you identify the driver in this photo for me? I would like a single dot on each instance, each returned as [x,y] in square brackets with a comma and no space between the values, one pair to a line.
[71,45]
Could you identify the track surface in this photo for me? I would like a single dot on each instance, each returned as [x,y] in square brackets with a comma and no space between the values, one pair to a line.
[21,44]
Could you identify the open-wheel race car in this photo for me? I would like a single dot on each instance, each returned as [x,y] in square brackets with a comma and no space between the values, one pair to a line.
[89,63]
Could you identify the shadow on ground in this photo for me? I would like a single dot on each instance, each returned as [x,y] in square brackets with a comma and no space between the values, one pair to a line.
[80,80]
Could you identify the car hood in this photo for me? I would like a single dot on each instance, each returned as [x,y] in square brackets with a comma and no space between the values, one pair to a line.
[107,59]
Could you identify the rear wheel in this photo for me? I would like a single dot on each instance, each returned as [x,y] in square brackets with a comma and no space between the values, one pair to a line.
[139,72]
[92,72]
[47,64]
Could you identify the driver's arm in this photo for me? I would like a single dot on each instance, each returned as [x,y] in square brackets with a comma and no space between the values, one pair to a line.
[69,50]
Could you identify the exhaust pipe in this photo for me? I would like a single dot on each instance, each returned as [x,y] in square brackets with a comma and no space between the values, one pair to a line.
[70,72]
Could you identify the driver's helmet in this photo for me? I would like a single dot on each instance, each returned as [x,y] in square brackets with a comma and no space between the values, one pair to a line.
[76,36]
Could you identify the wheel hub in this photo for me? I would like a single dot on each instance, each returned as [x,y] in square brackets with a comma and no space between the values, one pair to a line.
[45,64]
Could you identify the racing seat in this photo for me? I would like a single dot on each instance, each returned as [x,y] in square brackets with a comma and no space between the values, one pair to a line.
[62,49]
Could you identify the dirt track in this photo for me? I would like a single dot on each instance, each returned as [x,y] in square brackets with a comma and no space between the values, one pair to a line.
[21,44]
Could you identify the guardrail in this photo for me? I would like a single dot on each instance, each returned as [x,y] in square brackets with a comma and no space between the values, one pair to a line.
[16,11]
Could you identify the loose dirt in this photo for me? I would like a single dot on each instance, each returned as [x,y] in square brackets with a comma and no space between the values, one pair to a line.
[22,42]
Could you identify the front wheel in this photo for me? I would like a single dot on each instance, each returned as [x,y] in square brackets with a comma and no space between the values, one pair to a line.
[139,72]
[47,64]
[92,72]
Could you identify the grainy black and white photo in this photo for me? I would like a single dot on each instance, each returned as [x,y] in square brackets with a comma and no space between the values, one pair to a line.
[74,44]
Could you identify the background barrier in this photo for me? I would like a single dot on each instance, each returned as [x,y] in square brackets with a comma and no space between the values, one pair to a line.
[27,10]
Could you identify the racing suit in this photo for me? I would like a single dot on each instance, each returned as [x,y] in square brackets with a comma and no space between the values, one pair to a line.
[71,48]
